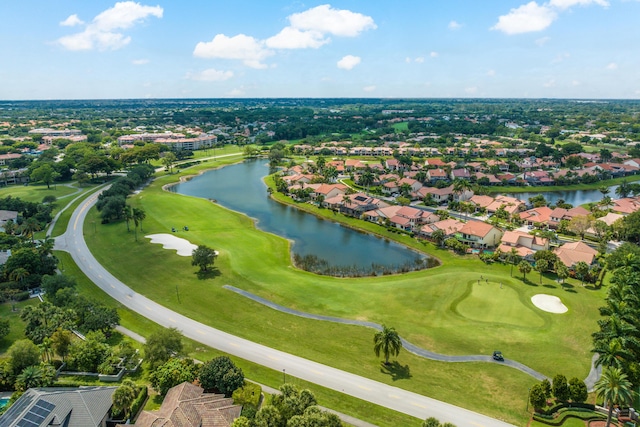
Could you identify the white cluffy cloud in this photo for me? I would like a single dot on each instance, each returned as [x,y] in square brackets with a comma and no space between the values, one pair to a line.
[612,66]
[533,17]
[369,88]
[453,25]
[310,29]
[140,61]
[348,62]
[242,47]
[105,30]
[210,75]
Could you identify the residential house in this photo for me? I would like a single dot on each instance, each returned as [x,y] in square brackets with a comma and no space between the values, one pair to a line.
[572,253]
[439,195]
[65,407]
[632,162]
[392,164]
[357,204]
[626,206]
[435,175]
[460,174]
[353,164]
[534,216]
[559,214]
[525,244]
[450,227]
[511,205]
[6,216]
[186,405]
[608,219]
[5,158]
[478,234]
[327,191]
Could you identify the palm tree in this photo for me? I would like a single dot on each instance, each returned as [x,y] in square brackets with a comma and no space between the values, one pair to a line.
[542,265]
[31,376]
[562,271]
[10,227]
[388,342]
[123,397]
[19,274]
[138,215]
[524,268]
[30,226]
[611,354]
[614,388]
[582,269]
[513,257]
[460,186]
[128,215]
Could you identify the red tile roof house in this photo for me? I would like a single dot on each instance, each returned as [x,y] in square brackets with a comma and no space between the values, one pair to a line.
[352,164]
[540,215]
[435,175]
[435,163]
[357,204]
[460,174]
[327,191]
[449,226]
[525,243]
[572,253]
[510,204]
[626,206]
[558,214]
[4,158]
[478,234]
[390,187]
[392,164]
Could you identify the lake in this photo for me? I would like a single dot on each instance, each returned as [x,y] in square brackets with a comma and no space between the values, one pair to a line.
[575,197]
[240,187]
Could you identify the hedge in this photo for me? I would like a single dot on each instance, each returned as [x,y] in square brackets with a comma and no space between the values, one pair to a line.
[579,413]
[138,404]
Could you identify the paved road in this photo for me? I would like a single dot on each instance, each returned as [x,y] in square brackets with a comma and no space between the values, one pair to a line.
[366,389]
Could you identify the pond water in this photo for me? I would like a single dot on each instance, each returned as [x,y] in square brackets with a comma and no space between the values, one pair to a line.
[575,197]
[240,187]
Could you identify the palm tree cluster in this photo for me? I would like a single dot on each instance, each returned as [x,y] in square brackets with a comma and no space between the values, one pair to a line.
[617,343]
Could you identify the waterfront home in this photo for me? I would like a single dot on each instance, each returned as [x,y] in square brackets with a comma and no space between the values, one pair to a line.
[449,226]
[357,204]
[327,191]
[626,206]
[572,253]
[478,234]
[608,219]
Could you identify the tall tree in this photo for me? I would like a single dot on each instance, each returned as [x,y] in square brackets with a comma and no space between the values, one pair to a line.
[203,257]
[524,267]
[388,342]
[123,397]
[582,270]
[138,215]
[221,374]
[513,258]
[614,388]
[161,345]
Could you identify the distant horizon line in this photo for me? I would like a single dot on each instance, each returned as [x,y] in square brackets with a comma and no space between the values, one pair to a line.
[398,98]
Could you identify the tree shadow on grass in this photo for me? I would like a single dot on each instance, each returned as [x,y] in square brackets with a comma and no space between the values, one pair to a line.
[573,291]
[395,370]
[529,283]
[547,285]
[208,274]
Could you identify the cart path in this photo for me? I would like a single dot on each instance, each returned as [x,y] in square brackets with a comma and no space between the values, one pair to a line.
[412,348]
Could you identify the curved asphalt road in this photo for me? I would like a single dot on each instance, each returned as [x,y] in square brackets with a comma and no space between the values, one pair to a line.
[381,394]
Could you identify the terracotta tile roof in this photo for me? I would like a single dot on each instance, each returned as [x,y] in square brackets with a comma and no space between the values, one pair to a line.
[476,228]
[572,253]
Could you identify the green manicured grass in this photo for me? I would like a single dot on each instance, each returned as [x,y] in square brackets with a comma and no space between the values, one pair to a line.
[36,192]
[16,325]
[423,306]
[402,126]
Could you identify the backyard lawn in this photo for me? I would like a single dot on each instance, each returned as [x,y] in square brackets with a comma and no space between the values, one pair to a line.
[442,309]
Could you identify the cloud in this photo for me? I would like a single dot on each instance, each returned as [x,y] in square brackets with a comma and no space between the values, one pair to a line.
[419,59]
[612,66]
[542,41]
[453,25]
[533,17]
[566,4]
[549,83]
[140,61]
[491,73]
[526,18]
[348,62]
[72,21]
[434,54]
[324,19]
[242,47]
[369,88]
[561,57]
[210,75]
[104,31]
[293,38]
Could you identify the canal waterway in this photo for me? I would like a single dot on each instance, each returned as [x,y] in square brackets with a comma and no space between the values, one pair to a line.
[240,187]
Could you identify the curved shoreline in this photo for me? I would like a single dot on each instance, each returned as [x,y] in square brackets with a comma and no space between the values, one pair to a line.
[418,251]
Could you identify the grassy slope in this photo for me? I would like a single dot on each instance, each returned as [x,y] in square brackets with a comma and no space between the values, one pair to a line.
[35,193]
[16,325]
[423,306]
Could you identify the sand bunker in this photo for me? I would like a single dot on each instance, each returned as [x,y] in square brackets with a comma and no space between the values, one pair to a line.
[549,303]
[169,241]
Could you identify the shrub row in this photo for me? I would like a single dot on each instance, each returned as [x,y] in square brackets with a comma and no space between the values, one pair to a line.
[138,404]
[579,413]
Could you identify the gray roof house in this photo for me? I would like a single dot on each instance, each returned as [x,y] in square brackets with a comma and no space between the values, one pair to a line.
[61,407]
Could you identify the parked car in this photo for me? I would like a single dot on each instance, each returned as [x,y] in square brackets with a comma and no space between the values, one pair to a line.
[497,355]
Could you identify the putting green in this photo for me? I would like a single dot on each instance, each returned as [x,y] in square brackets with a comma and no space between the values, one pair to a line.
[490,303]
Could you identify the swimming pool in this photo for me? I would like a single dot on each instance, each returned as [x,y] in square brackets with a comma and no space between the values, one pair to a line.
[3,402]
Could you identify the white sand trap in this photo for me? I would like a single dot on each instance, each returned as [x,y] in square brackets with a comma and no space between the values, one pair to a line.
[549,303]
[169,241]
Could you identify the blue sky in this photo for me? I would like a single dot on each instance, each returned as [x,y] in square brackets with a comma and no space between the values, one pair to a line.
[79,49]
